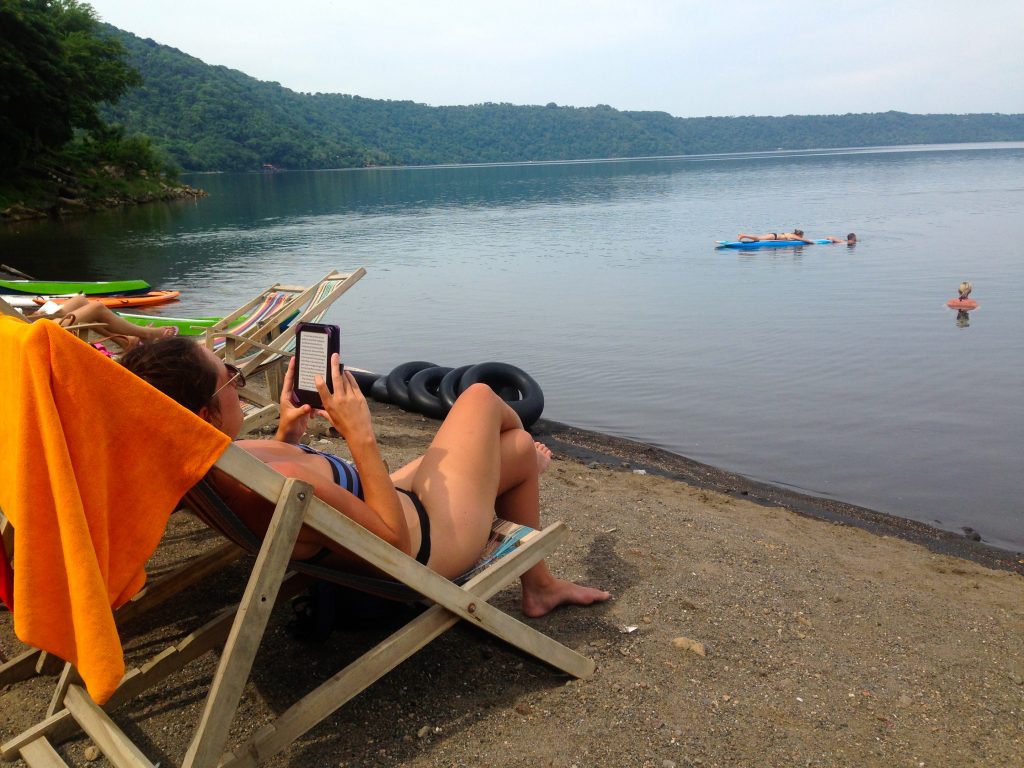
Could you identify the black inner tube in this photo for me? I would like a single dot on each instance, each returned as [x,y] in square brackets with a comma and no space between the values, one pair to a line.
[498,376]
[398,382]
[365,380]
[379,390]
[423,392]
[450,390]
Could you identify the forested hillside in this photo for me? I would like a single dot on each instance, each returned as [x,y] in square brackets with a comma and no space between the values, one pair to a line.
[214,118]
[57,155]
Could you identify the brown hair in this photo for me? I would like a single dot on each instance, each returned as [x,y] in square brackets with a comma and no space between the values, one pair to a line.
[177,367]
[851,236]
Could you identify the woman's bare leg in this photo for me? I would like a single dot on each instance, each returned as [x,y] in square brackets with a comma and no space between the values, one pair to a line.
[71,305]
[483,462]
[114,324]
[458,476]
[519,501]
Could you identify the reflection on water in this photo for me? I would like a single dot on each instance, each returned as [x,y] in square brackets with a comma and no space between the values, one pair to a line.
[963,318]
[830,369]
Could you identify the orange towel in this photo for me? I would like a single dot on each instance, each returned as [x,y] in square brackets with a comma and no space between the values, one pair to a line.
[92,462]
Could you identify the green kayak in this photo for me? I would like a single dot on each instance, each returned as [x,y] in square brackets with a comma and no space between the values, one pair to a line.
[63,288]
[187,326]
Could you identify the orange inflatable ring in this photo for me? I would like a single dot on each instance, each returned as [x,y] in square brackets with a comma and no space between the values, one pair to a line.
[962,304]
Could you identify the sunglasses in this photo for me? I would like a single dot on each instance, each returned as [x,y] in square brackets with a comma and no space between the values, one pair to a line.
[237,378]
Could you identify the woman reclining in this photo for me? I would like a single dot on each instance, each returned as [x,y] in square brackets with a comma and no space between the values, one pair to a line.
[796,236]
[109,324]
[437,508]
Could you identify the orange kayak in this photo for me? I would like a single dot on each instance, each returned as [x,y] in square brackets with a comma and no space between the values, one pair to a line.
[142,300]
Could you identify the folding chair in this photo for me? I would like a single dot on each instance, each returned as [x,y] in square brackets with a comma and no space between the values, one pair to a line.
[268,330]
[294,506]
[265,338]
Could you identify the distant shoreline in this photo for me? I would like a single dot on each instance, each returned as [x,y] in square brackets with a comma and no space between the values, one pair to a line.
[710,157]
[55,208]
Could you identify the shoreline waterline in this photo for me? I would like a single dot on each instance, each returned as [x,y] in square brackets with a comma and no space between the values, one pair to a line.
[623,454]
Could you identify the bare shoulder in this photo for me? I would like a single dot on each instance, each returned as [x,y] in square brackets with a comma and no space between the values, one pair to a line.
[270,450]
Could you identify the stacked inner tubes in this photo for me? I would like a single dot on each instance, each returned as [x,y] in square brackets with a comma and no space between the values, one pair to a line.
[429,389]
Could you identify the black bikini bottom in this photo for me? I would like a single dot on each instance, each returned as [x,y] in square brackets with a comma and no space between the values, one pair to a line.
[424,554]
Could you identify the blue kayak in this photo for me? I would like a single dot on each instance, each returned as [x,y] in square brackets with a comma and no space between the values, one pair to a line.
[765,243]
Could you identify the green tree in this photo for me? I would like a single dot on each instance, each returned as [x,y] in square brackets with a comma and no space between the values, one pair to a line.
[55,72]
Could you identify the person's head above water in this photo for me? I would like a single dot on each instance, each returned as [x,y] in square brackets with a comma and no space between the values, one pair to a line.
[191,375]
[798,232]
[851,238]
[965,289]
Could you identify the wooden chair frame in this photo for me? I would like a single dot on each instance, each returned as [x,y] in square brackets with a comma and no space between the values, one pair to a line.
[261,344]
[263,348]
[295,505]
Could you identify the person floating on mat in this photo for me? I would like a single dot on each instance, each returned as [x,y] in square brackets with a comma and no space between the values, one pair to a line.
[797,235]
[851,239]
[438,508]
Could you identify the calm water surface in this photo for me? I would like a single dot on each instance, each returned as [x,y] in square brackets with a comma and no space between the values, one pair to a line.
[836,371]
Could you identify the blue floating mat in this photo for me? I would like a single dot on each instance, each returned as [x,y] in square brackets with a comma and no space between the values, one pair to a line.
[765,243]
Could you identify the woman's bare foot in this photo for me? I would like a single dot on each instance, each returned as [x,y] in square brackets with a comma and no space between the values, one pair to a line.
[540,600]
[153,333]
[543,457]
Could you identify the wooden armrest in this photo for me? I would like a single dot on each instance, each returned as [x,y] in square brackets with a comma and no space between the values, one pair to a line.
[253,342]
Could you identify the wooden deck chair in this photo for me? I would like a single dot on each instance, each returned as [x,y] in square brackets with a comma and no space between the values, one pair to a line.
[240,630]
[261,342]
[268,329]
[295,505]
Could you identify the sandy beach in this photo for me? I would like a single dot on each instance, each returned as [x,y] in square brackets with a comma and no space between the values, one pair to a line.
[748,627]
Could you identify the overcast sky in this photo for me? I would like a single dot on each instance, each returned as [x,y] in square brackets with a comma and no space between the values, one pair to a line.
[688,57]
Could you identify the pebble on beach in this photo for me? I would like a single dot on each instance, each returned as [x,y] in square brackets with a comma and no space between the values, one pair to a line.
[686,644]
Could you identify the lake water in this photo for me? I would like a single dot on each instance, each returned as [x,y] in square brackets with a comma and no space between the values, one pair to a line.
[836,371]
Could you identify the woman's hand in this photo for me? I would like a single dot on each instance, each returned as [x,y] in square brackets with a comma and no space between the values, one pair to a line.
[348,412]
[346,407]
[294,419]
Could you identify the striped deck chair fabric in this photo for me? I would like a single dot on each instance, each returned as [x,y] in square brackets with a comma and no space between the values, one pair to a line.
[268,309]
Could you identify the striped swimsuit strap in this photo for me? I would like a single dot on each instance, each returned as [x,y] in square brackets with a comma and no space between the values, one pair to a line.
[345,475]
